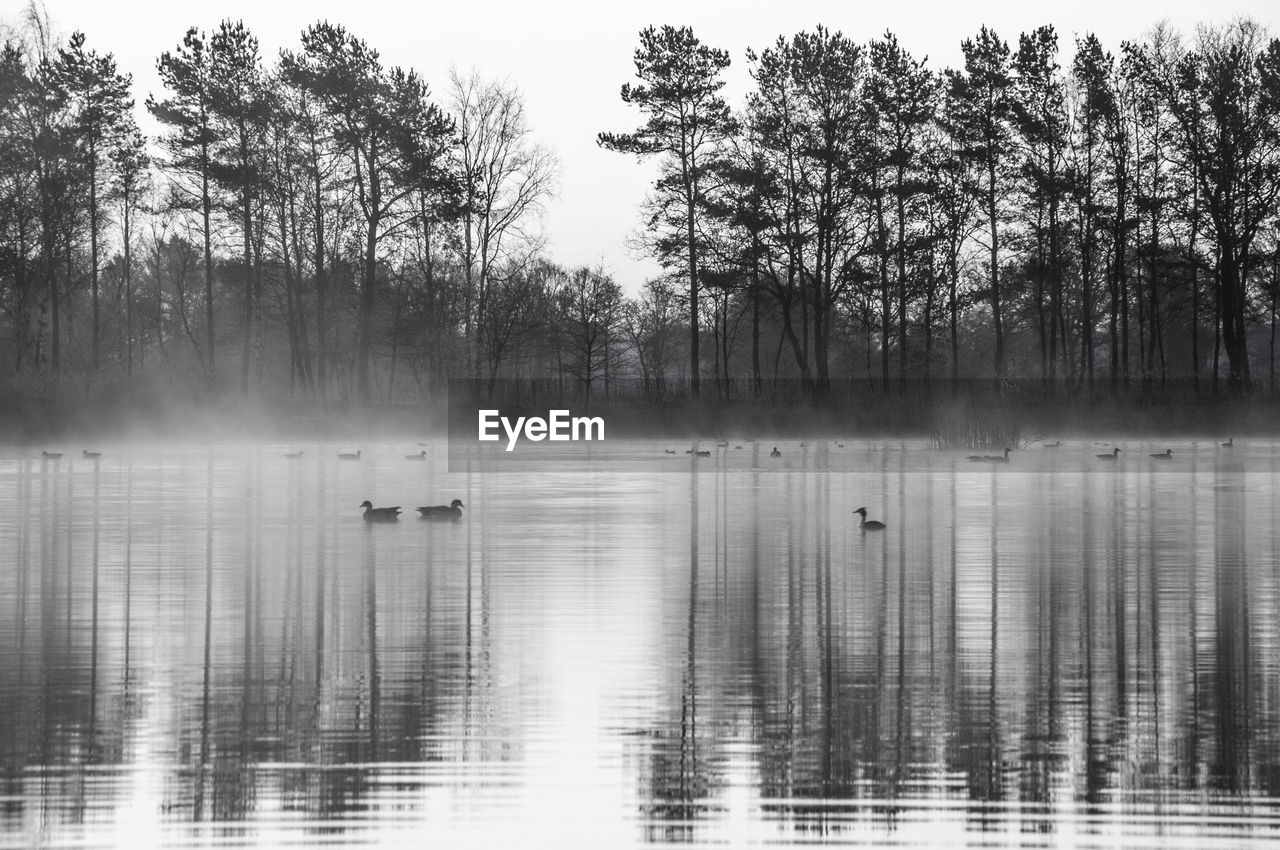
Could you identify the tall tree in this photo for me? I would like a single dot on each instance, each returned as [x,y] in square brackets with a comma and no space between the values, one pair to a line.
[1041,118]
[905,93]
[509,177]
[1228,106]
[1095,110]
[131,181]
[982,97]
[188,146]
[679,92]
[394,139]
[100,107]
[240,105]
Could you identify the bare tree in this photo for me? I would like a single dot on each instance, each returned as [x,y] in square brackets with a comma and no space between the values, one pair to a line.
[510,177]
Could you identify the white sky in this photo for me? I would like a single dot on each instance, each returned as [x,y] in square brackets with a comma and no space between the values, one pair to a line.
[570,58]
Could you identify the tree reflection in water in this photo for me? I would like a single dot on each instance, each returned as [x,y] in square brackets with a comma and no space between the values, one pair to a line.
[207,637]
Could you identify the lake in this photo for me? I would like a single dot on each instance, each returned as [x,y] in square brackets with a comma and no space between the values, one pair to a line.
[207,645]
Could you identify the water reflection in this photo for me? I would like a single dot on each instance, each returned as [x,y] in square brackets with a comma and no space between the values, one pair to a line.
[210,646]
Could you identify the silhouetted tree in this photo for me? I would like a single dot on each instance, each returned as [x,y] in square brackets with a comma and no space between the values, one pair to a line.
[679,92]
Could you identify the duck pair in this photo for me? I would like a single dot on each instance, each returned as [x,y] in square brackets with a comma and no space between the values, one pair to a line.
[451,511]
[990,458]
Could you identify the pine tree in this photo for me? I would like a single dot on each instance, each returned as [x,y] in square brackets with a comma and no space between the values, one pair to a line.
[679,92]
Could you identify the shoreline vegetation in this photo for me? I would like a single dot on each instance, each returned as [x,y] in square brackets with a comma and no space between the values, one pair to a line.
[315,243]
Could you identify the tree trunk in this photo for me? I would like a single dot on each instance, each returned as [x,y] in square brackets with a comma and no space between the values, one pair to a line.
[206,206]
[93,248]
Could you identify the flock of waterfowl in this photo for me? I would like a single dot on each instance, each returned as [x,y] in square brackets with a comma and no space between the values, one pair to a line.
[453,510]
[1112,456]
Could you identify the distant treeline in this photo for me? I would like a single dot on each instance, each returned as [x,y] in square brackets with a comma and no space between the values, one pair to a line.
[317,224]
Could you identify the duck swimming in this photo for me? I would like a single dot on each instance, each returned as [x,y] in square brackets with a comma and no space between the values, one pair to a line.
[1115,453]
[703,453]
[869,524]
[998,458]
[294,455]
[452,511]
[349,455]
[1230,443]
[422,455]
[372,514]
[91,455]
[1167,454]
[775,452]
[1056,445]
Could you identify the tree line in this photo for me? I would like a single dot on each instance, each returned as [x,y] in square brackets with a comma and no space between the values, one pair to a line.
[320,224]
[1098,221]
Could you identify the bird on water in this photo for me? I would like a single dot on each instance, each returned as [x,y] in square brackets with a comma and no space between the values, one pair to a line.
[349,455]
[1230,443]
[91,455]
[372,514]
[998,458]
[51,455]
[775,452]
[294,455]
[1114,455]
[422,455]
[869,524]
[1167,454]
[1056,445]
[451,511]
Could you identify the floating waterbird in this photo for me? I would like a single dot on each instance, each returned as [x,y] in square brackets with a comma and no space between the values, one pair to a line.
[1053,445]
[1115,453]
[51,455]
[349,455]
[869,524]
[372,514]
[998,458]
[1167,454]
[1230,443]
[422,455]
[775,452]
[453,511]
[703,454]
[294,455]
[669,451]
[737,448]
[91,455]
[978,458]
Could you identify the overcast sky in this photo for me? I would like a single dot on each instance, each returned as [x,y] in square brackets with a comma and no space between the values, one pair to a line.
[570,59]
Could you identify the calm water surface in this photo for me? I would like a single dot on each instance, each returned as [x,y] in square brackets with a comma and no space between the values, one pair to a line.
[207,645]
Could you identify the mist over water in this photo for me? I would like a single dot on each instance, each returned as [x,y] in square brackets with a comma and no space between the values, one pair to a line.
[207,645]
